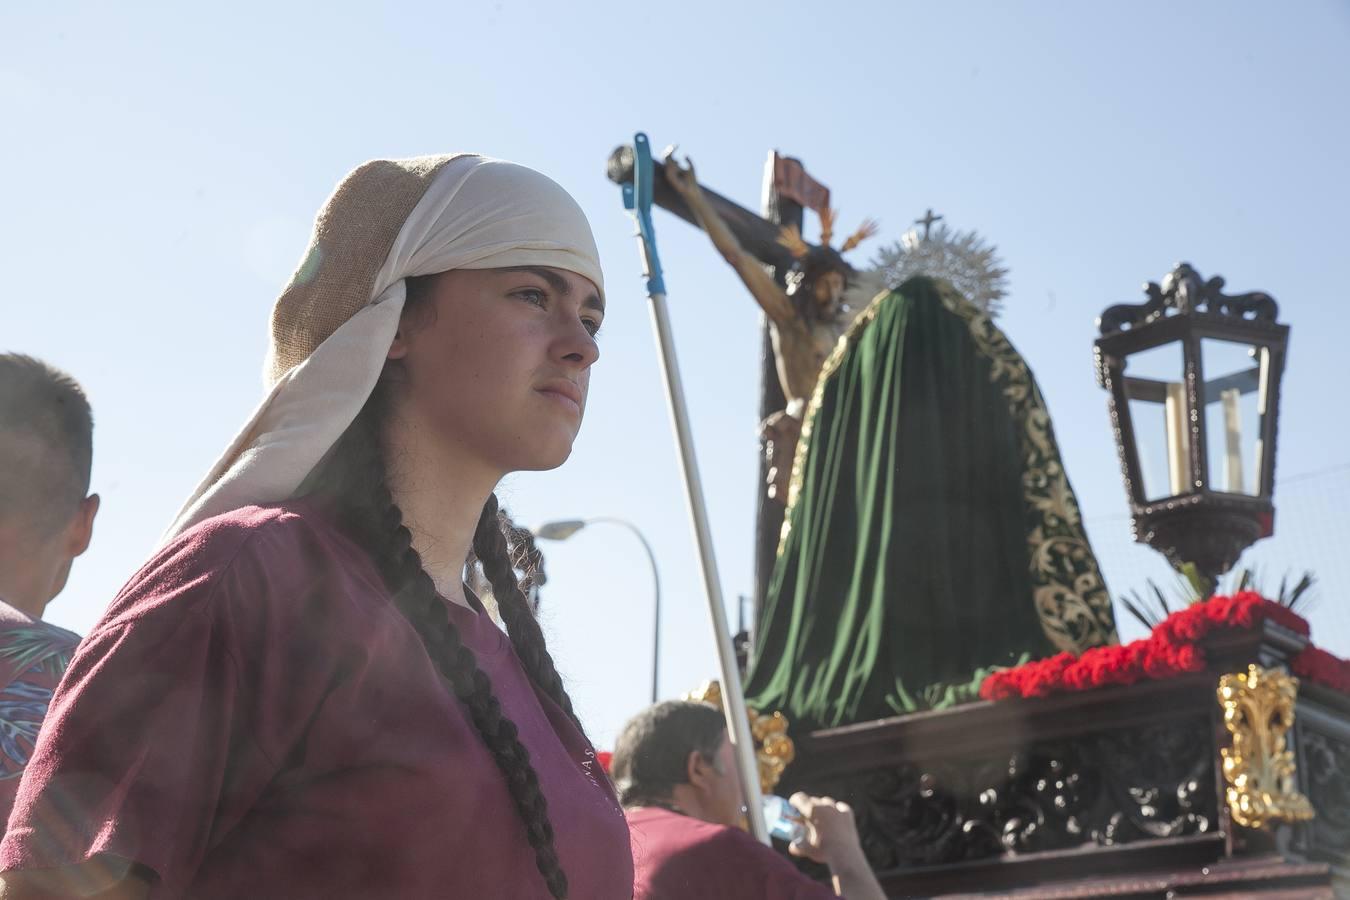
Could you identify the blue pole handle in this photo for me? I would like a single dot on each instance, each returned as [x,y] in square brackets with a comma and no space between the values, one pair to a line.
[637,198]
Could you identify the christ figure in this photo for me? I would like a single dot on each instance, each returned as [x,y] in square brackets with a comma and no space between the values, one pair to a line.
[805,321]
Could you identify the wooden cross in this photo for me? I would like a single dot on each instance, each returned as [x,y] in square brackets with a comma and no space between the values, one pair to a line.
[758,236]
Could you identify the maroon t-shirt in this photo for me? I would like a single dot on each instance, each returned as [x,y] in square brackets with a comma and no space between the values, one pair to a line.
[253,718]
[678,857]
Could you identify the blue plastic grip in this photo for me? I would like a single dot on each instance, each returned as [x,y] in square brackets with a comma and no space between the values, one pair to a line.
[638,198]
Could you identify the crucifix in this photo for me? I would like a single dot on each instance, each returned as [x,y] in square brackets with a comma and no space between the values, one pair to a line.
[801,293]
[927,222]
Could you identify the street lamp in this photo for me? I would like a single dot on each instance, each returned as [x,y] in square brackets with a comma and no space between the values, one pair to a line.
[564,529]
[1193,378]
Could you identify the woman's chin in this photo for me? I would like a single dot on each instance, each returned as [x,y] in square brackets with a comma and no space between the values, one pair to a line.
[546,455]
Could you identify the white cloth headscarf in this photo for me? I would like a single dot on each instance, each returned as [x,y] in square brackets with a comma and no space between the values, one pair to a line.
[476,213]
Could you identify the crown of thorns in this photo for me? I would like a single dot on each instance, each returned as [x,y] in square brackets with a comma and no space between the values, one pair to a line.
[791,236]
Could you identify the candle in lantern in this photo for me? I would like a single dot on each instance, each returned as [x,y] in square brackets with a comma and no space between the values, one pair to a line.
[1178,439]
[1232,429]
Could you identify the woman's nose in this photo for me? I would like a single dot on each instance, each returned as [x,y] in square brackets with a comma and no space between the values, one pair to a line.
[578,346]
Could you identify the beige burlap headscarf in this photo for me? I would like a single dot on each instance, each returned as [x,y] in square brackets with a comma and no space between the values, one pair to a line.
[333,324]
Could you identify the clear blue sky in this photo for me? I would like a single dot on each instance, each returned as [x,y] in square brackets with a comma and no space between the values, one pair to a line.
[159,168]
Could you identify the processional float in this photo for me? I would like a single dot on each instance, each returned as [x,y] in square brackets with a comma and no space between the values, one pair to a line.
[1212,756]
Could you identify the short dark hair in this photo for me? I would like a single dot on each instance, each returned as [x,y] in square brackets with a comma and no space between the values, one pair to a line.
[651,755]
[46,443]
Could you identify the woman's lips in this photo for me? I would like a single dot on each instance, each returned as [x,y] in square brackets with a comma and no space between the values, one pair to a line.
[566,394]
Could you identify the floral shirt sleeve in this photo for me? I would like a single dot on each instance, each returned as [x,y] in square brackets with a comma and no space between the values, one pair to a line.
[33,657]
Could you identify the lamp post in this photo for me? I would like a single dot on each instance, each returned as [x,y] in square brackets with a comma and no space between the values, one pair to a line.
[1193,382]
[564,529]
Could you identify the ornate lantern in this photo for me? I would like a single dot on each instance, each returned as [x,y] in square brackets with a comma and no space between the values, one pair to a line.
[1193,378]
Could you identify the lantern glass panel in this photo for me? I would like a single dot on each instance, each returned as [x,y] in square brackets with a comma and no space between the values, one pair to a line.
[1157,401]
[1232,401]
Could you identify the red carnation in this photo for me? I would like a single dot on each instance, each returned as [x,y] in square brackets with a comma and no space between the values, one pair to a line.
[1171,649]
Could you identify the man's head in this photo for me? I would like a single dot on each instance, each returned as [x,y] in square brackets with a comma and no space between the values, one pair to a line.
[678,752]
[46,448]
[817,281]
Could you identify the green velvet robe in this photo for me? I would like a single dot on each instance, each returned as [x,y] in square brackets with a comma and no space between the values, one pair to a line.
[930,532]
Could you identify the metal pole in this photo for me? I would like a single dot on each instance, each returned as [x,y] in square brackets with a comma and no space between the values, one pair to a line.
[638,198]
[656,589]
[732,693]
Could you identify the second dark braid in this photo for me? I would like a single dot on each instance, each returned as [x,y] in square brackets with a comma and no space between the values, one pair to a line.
[489,545]
[416,597]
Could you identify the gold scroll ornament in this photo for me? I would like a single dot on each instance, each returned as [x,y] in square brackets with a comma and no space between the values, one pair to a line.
[1258,710]
[774,750]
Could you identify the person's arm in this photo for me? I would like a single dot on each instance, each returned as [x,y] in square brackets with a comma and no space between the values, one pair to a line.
[832,838]
[764,289]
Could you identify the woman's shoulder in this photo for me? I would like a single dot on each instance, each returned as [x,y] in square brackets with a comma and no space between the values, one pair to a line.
[245,555]
[292,536]
[260,528]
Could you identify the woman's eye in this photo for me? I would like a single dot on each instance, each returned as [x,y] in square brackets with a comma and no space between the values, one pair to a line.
[592,326]
[536,297]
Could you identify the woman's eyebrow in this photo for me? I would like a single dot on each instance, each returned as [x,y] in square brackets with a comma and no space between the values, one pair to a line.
[559,284]
[555,281]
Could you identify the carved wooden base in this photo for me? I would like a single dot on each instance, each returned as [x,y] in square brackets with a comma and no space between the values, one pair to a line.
[1078,794]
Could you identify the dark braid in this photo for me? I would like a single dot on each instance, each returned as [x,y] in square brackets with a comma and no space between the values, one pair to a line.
[353,478]
[489,544]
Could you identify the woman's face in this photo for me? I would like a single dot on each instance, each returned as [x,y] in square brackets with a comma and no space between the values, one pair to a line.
[497,363]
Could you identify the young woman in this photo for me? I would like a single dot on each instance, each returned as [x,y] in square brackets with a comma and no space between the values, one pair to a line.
[297,697]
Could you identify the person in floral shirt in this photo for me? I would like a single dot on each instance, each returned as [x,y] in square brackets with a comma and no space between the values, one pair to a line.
[46,520]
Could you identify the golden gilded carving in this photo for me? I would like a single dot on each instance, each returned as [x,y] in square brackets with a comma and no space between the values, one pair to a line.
[1258,710]
[774,750]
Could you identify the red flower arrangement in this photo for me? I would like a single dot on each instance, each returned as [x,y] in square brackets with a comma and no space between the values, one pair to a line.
[1170,650]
